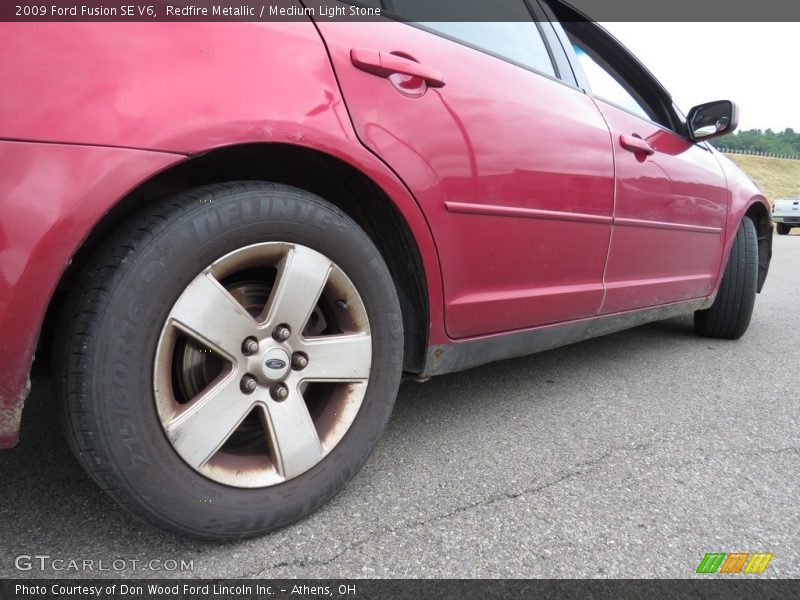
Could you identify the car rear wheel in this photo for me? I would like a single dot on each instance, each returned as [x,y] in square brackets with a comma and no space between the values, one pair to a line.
[730,314]
[783,228]
[230,359]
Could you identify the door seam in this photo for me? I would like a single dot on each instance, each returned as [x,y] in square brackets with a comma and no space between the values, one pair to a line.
[613,205]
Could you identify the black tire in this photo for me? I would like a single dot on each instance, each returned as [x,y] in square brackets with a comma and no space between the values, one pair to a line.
[729,316]
[783,228]
[111,327]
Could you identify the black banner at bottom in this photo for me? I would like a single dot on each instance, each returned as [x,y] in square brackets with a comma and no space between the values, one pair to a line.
[391,589]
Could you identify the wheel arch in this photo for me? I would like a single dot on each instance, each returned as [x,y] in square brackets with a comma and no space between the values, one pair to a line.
[329,177]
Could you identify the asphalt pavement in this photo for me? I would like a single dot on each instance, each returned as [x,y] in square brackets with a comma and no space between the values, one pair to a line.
[626,456]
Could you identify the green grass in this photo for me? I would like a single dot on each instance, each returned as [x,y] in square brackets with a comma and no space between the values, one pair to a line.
[777,177]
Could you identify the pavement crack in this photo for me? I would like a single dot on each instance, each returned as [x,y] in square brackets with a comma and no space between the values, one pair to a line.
[576,471]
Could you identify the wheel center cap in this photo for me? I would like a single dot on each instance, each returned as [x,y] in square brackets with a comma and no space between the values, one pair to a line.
[275,364]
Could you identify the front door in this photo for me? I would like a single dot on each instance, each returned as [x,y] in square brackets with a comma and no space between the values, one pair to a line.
[669,218]
[671,194]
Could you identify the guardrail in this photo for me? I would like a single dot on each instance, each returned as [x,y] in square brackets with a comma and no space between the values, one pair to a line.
[767,154]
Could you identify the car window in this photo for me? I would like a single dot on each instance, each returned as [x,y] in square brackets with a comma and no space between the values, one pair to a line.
[608,85]
[519,42]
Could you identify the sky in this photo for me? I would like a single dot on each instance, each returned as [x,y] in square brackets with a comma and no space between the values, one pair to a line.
[756,65]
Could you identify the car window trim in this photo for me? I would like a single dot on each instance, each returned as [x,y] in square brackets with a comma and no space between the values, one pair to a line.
[634,94]
[466,44]
[661,96]
[556,37]
[661,102]
[558,60]
[388,13]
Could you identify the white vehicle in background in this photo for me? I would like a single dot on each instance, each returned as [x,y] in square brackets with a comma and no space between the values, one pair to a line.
[786,214]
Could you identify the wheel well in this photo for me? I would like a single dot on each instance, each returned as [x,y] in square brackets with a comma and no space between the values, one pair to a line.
[761,219]
[316,172]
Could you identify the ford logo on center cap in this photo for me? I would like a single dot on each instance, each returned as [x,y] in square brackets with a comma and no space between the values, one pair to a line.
[275,363]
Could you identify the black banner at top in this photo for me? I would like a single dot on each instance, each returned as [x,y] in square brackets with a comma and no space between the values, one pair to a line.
[411,10]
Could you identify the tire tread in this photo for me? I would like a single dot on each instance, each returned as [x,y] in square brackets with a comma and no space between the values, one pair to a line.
[729,316]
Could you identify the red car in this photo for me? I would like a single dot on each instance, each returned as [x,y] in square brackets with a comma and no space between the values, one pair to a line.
[231,240]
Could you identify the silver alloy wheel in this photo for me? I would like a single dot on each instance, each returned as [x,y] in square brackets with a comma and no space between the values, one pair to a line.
[262,364]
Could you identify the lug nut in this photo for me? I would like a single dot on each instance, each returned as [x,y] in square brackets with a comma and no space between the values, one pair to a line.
[299,361]
[250,346]
[279,392]
[249,384]
[281,333]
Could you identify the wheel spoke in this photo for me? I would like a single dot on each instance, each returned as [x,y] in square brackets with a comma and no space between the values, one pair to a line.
[294,437]
[303,275]
[214,432]
[201,429]
[208,312]
[338,358]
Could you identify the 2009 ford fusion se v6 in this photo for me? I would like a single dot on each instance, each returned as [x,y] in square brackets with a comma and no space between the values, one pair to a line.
[232,239]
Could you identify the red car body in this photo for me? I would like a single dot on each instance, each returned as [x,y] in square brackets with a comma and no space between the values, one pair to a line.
[523,209]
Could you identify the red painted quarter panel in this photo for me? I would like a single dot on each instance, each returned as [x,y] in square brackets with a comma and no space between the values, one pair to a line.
[179,87]
[50,196]
[183,88]
[190,88]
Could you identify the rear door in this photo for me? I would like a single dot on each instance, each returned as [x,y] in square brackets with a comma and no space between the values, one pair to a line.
[509,160]
[671,194]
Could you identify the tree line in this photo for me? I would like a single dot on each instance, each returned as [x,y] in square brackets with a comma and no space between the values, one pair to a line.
[755,140]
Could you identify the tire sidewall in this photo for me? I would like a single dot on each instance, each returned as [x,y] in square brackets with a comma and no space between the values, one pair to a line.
[214,223]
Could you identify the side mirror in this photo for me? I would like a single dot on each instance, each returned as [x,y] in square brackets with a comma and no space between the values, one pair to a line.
[712,119]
